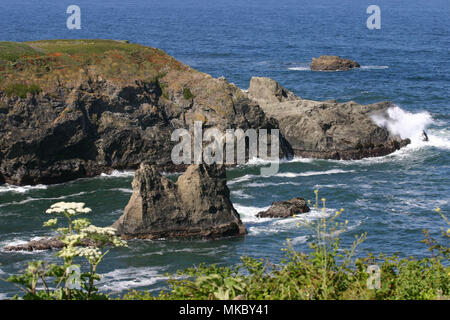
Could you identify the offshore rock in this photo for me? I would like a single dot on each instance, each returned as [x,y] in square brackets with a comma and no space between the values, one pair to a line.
[196,206]
[285,209]
[333,63]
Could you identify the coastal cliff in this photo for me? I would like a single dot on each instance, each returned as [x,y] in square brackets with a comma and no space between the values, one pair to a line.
[76,108]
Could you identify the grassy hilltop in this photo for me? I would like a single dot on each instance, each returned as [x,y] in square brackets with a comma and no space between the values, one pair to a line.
[42,63]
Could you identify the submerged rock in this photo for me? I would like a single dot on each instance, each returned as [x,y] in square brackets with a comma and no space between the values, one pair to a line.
[333,63]
[330,130]
[285,209]
[197,205]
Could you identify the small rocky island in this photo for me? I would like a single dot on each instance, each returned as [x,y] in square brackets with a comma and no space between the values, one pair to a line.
[333,63]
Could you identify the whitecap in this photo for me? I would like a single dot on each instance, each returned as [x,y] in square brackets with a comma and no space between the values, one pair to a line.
[129,278]
[374,67]
[241,179]
[248,214]
[29,199]
[124,190]
[299,68]
[311,173]
[21,189]
[403,123]
[118,174]
[241,194]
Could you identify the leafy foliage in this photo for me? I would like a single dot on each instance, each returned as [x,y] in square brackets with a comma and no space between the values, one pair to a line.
[327,272]
[20,90]
[43,281]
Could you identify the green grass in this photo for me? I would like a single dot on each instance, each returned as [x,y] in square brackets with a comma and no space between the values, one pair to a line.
[48,63]
[20,90]
[97,46]
[12,51]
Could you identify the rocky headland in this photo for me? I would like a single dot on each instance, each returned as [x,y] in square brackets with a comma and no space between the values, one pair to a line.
[325,129]
[77,108]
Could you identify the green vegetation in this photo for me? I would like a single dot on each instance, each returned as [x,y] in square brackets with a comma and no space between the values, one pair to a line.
[187,94]
[52,63]
[328,271]
[20,90]
[12,51]
[83,241]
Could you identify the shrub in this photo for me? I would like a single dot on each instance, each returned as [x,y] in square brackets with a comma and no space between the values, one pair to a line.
[187,94]
[82,240]
[20,90]
[327,272]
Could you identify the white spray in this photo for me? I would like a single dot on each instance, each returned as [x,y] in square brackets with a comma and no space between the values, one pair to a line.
[403,123]
[411,125]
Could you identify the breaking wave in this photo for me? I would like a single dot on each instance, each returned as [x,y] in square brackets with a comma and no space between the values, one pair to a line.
[21,189]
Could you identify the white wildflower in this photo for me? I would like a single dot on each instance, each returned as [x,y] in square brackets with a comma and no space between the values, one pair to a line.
[70,208]
[105,231]
[92,254]
[67,252]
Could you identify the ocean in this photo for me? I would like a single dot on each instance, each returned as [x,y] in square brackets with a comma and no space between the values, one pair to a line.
[392,198]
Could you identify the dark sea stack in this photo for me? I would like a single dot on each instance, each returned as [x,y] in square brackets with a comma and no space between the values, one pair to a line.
[333,63]
[285,209]
[196,206]
[76,108]
[331,130]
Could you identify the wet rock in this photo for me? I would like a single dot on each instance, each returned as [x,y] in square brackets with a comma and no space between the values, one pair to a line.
[331,130]
[333,63]
[42,244]
[285,209]
[196,206]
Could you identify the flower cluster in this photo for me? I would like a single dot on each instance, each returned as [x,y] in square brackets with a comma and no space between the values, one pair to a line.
[70,208]
[105,231]
[91,254]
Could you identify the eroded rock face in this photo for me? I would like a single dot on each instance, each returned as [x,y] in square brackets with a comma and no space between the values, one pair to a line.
[268,90]
[332,130]
[112,113]
[197,205]
[285,209]
[333,63]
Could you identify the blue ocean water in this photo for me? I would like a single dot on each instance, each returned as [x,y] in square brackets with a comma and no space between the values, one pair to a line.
[392,198]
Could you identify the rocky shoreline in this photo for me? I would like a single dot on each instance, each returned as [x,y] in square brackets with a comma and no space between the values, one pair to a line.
[325,129]
[117,107]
